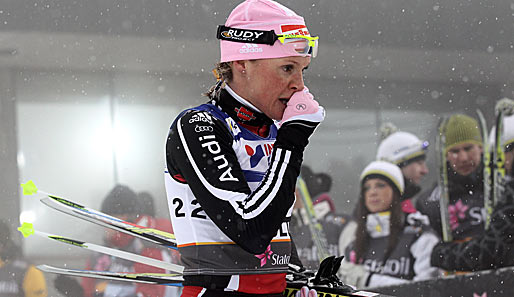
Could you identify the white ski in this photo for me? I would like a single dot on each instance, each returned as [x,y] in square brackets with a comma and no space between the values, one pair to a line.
[442,180]
[74,209]
[114,252]
[498,159]
[176,280]
[147,278]
[488,199]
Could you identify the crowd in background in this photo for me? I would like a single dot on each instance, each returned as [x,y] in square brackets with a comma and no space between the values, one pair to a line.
[395,233]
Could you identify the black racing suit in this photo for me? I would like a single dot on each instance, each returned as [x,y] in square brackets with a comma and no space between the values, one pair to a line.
[230,183]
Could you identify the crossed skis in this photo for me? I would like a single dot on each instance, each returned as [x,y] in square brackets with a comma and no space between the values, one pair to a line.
[173,278]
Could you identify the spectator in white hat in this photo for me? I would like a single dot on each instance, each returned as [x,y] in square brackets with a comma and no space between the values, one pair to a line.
[385,246]
[408,152]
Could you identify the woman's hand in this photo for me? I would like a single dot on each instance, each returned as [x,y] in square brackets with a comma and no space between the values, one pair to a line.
[302,106]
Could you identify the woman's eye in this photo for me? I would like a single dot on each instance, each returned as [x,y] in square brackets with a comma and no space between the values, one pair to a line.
[288,68]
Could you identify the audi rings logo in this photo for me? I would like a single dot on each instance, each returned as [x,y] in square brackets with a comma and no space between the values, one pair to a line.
[199,129]
[301,106]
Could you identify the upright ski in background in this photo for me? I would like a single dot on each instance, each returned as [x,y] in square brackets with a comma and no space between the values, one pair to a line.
[488,165]
[498,158]
[317,234]
[444,200]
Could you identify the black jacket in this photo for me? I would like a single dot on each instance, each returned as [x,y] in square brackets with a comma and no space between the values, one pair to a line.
[466,207]
[493,249]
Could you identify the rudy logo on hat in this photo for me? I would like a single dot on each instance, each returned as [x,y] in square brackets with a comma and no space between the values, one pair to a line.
[268,29]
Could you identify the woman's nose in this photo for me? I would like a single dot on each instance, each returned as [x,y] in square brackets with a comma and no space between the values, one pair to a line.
[297,83]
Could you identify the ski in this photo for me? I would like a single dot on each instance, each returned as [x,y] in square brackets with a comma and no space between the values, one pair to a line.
[292,289]
[498,158]
[444,200]
[146,278]
[317,234]
[27,229]
[487,179]
[176,280]
[74,209]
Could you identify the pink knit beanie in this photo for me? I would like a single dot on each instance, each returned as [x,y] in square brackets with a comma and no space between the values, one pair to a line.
[263,15]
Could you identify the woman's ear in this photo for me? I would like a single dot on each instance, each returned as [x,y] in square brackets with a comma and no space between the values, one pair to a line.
[240,66]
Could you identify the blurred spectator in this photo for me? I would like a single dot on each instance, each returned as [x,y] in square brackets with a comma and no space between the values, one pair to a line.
[318,185]
[120,202]
[17,276]
[148,219]
[408,152]
[495,248]
[146,204]
[385,246]
[463,149]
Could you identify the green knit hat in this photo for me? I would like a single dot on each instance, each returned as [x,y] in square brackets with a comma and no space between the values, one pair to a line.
[461,129]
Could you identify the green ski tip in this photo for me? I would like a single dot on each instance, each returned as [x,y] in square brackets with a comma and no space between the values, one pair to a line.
[29,188]
[26,229]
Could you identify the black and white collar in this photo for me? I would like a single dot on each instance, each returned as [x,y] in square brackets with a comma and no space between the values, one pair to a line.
[240,109]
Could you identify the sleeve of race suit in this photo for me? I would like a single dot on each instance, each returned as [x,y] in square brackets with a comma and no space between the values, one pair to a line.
[205,159]
[491,250]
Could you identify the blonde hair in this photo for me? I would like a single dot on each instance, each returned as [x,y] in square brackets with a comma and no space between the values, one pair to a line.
[223,73]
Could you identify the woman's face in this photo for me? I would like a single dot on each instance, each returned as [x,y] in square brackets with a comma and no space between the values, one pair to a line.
[378,195]
[269,83]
